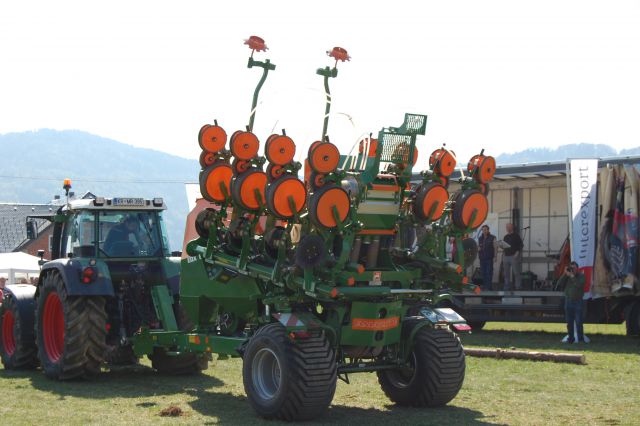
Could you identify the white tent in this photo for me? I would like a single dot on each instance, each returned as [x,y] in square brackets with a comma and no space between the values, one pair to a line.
[21,263]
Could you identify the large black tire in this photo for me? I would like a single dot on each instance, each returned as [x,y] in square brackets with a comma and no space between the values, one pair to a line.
[632,319]
[71,331]
[17,342]
[184,363]
[477,325]
[436,373]
[289,380]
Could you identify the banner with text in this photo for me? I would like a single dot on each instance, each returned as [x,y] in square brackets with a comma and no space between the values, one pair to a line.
[584,204]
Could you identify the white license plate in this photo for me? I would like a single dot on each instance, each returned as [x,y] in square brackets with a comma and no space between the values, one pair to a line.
[128,202]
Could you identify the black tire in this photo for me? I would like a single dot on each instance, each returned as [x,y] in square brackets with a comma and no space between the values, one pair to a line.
[17,344]
[176,365]
[477,325]
[632,319]
[437,372]
[289,380]
[71,331]
[184,363]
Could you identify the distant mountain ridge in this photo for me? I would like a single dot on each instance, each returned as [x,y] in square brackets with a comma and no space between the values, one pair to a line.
[33,165]
[561,153]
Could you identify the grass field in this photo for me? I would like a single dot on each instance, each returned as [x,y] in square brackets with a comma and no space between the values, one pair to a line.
[606,391]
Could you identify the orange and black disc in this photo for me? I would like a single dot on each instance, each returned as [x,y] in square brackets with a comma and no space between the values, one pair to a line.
[466,203]
[240,166]
[207,159]
[244,145]
[279,149]
[322,203]
[472,164]
[430,201]
[282,193]
[245,186]
[274,172]
[324,157]
[212,138]
[486,170]
[213,179]
[443,162]
[317,180]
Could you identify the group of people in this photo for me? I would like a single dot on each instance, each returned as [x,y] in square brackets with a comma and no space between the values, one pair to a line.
[488,255]
[572,280]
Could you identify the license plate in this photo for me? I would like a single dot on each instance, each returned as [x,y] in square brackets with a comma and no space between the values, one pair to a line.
[128,202]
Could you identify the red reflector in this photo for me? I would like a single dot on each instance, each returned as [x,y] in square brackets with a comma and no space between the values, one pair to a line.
[300,334]
[462,327]
[88,275]
[107,327]
[334,293]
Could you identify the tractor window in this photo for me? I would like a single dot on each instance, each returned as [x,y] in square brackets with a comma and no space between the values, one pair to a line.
[79,239]
[130,234]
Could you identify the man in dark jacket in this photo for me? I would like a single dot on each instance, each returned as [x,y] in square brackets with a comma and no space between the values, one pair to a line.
[118,242]
[487,256]
[511,258]
[573,282]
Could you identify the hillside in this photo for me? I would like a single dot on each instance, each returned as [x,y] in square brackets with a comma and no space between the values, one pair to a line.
[561,153]
[34,164]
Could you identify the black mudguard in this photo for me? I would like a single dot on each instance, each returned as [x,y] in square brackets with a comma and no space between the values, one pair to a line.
[71,271]
[24,295]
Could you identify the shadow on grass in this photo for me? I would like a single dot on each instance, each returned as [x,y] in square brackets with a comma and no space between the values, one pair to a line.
[130,382]
[232,409]
[610,343]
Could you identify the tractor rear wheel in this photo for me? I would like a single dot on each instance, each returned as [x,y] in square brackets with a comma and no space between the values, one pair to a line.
[286,379]
[17,345]
[71,331]
[435,374]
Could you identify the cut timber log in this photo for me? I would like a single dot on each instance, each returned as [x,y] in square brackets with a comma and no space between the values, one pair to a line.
[535,356]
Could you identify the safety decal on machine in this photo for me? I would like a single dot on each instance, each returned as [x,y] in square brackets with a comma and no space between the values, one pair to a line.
[289,320]
[370,324]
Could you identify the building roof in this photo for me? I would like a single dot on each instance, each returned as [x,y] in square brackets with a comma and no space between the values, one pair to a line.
[12,223]
[539,170]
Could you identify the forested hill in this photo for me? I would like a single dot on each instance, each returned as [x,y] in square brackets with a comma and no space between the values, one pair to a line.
[33,165]
[561,153]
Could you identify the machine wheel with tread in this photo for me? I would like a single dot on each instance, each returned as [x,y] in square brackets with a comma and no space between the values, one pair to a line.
[17,346]
[289,380]
[437,372]
[71,331]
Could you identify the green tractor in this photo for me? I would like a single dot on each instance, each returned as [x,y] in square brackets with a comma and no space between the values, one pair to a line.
[111,266]
[311,280]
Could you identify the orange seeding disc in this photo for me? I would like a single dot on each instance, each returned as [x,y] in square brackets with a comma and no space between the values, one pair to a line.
[244,188]
[212,138]
[280,149]
[322,202]
[206,159]
[210,180]
[240,166]
[278,195]
[486,170]
[466,203]
[274,172]
[244,145]
[428,196]
[324,157]
[443,162]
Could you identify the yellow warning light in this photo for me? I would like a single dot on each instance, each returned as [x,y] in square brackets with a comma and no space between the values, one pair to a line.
[66,184]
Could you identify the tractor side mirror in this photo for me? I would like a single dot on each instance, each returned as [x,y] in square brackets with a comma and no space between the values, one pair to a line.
[32,229]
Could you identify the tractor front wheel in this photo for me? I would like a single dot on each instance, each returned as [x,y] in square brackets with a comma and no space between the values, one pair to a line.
[71,331]
[17,344]
[435,372]
[289,379]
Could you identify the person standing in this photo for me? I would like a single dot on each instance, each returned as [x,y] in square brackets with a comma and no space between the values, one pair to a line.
[487,255]
[511,258]
[573,282]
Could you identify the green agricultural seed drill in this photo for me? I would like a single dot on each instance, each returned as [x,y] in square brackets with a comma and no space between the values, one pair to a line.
[310,281]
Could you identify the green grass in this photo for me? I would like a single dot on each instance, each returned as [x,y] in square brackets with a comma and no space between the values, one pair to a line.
[606,391]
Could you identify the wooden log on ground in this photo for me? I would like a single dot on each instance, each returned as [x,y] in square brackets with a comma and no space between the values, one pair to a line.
[534,356]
